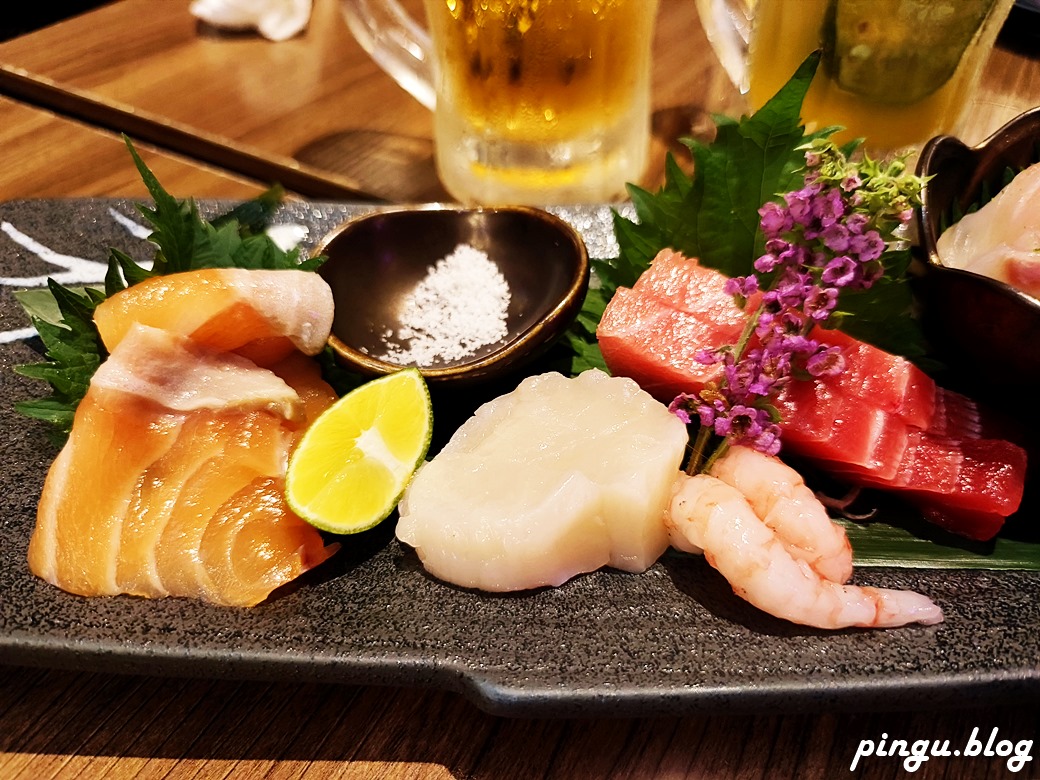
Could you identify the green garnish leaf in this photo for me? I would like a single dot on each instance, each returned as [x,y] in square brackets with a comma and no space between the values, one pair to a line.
[713,216]
[73,349]
[912,545]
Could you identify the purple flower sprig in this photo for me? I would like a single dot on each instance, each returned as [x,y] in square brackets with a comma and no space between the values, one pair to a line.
[827,237]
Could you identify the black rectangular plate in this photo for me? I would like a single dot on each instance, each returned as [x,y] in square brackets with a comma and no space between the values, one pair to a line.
[672,640]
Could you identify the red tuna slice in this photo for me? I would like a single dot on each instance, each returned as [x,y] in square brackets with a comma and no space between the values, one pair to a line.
[889,381]
[690,287]
[966,486]
[645,339]
[842,431]
[973,474]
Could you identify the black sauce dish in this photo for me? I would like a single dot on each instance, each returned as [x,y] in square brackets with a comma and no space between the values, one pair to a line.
[376,260]
[986,332]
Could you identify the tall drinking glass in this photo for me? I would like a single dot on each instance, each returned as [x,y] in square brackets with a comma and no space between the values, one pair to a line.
[535,101]
[895,72]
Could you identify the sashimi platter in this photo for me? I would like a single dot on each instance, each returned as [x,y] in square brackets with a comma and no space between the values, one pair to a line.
[740,479]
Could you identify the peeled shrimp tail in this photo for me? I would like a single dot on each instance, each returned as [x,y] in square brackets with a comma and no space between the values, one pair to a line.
[780,497]
[706,512]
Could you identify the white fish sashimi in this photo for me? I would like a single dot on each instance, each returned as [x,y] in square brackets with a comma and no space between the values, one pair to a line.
[560,477]
[1002,239]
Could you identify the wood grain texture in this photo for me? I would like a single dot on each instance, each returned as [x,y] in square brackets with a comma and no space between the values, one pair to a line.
[316,99]
[64,725]
[48,156]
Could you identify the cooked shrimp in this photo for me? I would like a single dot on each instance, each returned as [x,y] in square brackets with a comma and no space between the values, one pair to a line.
[778,495]
[707,513]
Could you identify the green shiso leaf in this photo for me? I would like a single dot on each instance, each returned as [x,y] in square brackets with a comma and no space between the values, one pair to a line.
[713,216]
[184,241]
[73,350]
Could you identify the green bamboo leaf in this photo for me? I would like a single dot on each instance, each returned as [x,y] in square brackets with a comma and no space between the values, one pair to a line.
[914,546]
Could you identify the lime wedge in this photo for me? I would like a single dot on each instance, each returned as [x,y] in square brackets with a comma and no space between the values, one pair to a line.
[353,463]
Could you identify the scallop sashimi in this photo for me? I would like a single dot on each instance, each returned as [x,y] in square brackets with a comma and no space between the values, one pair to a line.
[263,315]
[557,478]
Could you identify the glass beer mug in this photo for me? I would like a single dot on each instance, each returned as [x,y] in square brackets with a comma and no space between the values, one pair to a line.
[535,101]
[895,72]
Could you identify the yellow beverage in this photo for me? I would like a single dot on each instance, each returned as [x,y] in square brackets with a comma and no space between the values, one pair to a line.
[541,96]
[896,72]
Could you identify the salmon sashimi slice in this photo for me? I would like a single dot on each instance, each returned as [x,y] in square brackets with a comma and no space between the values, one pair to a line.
[169,435]
[255,543]
[303,375]
[263,315]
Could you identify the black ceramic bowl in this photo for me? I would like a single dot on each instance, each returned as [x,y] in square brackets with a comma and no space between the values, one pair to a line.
[376,260]
[985,330]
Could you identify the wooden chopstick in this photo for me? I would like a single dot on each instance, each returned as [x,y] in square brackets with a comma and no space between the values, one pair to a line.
[305,180]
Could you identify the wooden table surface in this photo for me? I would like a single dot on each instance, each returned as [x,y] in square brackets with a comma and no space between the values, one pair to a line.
[317,106]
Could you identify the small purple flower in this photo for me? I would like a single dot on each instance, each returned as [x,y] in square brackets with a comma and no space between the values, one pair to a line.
[867,247]
[768,440]
[767,263]
[841,271]
[797,344]
[775,219]
[790,293]
[710,412]
[830,207]
[857,222]
[827,361]
[789,322]
[800,204]
[742,421]
[682,405]
[836,237]
[820,303]
[742,286]
[708,357]
[851,182]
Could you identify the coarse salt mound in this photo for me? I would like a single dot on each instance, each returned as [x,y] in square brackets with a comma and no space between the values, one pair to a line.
[559,477]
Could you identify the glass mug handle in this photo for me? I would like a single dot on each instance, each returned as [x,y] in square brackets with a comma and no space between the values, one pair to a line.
[727,24]
[396,43]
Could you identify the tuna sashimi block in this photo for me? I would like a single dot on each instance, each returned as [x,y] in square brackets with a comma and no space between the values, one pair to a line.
[678,307]
[841,430]
[559,477]
[891,382]
[690,287]
[864,425]
[640,336]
